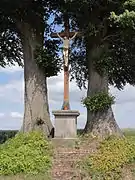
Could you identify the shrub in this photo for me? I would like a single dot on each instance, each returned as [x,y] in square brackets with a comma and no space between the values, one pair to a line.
[107,162]
[98,102]
[28,153]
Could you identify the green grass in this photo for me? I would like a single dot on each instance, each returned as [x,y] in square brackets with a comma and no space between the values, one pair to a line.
[111,157]
[26,177]
[127,132]
[25,156]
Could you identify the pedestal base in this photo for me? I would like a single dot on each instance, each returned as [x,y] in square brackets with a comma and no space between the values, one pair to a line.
[66,124]
[64,142]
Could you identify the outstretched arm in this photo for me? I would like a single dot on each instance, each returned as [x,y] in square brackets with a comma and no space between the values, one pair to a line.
[74,36]
[59,36]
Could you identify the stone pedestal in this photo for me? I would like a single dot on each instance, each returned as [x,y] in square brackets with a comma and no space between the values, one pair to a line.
[65,124]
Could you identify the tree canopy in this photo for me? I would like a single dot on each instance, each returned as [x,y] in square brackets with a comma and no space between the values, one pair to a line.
[108,27]
[37,14]
[108,24]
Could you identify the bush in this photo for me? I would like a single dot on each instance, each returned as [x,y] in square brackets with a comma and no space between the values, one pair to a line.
[99,102]
[28,153]
[107,162]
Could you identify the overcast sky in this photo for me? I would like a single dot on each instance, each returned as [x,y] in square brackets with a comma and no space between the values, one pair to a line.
[11,100]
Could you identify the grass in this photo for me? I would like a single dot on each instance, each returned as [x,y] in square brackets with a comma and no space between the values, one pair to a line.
[114,159]
[127,132]
[28,153]
[26,177]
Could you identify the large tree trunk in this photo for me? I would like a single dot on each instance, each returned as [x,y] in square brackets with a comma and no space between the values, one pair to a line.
[101,124]
[36,110]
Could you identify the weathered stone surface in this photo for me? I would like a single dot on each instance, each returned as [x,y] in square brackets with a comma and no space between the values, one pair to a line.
[65,123]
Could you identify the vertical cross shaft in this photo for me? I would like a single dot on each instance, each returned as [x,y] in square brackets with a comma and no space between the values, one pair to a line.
[66,105]
[69,36]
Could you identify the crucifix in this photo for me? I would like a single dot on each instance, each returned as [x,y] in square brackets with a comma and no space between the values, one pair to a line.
[66,37]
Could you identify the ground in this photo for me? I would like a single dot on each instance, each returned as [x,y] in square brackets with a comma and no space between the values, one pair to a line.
[22,177]
[65,158]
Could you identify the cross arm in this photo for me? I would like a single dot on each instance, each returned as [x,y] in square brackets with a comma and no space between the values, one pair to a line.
[63,34]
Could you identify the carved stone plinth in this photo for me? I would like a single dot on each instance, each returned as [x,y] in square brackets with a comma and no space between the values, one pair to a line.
[66,124]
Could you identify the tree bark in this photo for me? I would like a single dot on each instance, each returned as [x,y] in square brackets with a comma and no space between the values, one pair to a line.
[36,110]
[100,124]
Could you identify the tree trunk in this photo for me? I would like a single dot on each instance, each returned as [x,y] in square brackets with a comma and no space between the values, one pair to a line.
[36,110]
[100,124]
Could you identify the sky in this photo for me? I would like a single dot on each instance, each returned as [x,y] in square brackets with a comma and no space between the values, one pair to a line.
[12,98]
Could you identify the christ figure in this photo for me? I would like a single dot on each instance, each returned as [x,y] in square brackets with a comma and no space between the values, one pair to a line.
[66,45]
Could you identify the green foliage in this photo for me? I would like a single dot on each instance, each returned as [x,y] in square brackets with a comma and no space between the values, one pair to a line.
[129,4]
[126,20]
[28,153]
[98,102]
[105,25]
[78,68]
[47,59]
[5,135]
[13,16]
[107,162]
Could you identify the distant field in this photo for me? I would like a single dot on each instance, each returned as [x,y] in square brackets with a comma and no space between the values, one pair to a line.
[5,134]
[129,132]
